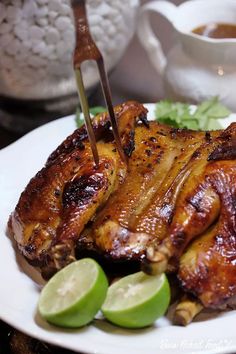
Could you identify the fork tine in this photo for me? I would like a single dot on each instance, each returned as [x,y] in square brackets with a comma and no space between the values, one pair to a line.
[83,52]
[107,96]
[85,109]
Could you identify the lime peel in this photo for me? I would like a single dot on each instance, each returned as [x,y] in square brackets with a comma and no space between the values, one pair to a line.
[74,295]
[137,300]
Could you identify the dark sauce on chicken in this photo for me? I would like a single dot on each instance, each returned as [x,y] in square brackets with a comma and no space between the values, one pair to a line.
[216,30]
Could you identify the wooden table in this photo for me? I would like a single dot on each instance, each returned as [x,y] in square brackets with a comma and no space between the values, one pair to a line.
[133,78]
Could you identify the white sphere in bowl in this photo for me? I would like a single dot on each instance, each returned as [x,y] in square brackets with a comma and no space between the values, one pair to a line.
[37,41]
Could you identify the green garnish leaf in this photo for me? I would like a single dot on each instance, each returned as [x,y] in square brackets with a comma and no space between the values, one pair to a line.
[213,125]
[96,110]
[182,115]
[79,118]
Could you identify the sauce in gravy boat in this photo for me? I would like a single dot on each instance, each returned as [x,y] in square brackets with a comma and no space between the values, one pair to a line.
[197,67]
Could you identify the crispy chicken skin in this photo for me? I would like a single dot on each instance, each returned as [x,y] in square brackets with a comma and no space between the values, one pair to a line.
[208,267]
[171,207]
[64,196]
[138,214]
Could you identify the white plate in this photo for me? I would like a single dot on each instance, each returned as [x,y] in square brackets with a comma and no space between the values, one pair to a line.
[209,333]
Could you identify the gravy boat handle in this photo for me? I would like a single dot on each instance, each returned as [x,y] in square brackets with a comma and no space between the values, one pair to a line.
[147,37]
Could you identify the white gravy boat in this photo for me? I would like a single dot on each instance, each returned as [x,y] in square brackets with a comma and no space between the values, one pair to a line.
[197,67]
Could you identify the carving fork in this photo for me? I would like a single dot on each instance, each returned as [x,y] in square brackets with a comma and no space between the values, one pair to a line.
[86,49]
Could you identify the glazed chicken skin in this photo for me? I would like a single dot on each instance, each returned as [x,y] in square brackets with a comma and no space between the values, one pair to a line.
[171,207]
[213,254]
[65,195]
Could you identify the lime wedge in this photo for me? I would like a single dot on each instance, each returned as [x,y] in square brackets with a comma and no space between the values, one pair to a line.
[137,300]
[73,296]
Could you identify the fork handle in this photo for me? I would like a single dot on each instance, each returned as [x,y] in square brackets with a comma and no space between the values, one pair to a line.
[85,48]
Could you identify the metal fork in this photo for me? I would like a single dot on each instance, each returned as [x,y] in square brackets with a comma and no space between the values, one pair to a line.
[86,49]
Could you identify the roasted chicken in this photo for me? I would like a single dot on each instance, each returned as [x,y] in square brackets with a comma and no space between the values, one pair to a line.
[171,208]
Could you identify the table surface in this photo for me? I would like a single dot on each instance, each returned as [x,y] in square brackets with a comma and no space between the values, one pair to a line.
[133,78]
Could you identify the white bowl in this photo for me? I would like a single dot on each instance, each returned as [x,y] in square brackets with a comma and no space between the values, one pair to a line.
[37,41]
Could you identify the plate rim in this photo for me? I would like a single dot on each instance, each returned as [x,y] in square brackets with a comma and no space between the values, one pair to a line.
[88,348]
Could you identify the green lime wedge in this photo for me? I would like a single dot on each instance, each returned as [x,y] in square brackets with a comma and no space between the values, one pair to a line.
[137,300]
[73,296]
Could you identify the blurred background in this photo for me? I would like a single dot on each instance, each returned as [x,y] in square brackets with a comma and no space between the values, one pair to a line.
[134,77]
[131,77]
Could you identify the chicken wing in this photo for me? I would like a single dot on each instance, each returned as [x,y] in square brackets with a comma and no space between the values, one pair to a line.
[198,204]
[64,196]
[208,267]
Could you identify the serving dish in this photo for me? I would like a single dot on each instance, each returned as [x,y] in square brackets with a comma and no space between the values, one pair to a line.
[211,332]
